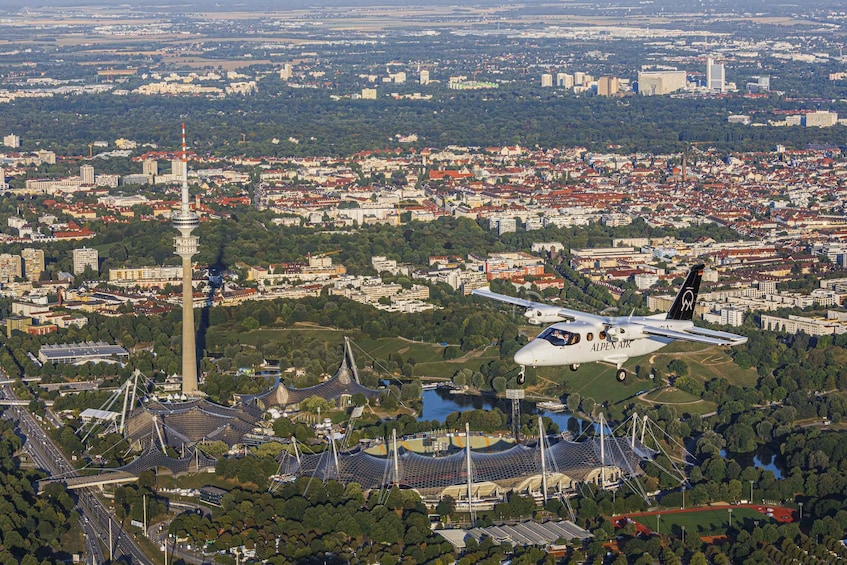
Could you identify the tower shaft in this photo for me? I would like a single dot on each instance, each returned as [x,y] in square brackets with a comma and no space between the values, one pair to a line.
[185,245]
[189,359]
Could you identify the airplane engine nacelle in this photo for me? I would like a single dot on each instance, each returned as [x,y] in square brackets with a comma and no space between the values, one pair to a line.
[543,315]
[623,332]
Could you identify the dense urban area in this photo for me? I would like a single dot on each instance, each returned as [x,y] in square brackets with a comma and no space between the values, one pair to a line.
[240,246]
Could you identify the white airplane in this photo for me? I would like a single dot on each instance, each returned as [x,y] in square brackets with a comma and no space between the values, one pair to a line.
[591,338]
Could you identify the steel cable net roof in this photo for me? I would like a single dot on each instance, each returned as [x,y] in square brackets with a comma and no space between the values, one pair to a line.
[577,460]
[345,381]
[190,422]
[154,458]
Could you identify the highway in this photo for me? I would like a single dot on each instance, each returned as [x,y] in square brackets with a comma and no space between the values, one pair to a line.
[97,519]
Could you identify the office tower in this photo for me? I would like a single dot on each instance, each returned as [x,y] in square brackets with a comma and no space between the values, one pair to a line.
[546,80]
[564,80]
[424,77]
[715,76]
[86,174]
[33,260]
[185,245]
[85,257]
[150,167]
[607,86]
[12,141]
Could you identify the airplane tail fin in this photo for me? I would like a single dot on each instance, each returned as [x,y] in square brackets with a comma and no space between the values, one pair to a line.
[683,305]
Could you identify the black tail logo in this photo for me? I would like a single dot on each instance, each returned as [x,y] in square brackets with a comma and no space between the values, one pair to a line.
[683,305]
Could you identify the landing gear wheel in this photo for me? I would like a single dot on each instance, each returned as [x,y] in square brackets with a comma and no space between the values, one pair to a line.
[620,375]
[522,376]
[574,366]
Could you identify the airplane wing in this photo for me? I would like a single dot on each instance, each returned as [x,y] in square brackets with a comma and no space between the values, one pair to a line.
[699,335]
[548,312]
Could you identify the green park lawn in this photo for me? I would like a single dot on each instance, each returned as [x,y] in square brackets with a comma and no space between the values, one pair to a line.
[428,357]
[592,380]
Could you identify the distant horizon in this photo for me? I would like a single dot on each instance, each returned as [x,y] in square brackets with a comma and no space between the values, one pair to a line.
[276,5]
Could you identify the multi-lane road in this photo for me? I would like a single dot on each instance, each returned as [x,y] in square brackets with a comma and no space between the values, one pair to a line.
[98,523]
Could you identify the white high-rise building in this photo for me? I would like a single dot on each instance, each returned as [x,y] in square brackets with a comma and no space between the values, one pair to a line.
[86,174]
[12,141]
[578,78]
[546,80]
[179,167]
[85,257]
[424,77]
[3,184]
[564,80]
[150,167]
[715,76]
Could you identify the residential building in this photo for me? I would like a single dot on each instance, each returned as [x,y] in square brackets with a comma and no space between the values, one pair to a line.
[19,323]
[424,77]
[285,72]
[369,94]
[150,167]
[33,263]
[85,257]
[833,324]
[10,268]
[86,174]
[178,168]
[546,80]
[12,141]
[564,80]
[607,86]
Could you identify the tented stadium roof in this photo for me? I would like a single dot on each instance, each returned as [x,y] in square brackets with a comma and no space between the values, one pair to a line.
[572,461]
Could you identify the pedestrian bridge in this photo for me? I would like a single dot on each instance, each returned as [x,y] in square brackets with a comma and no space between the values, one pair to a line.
[73,483]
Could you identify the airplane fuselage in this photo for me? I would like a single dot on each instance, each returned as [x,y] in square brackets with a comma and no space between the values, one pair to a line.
[574,343]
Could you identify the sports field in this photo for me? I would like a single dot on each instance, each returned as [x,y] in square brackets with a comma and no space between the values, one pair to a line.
[710,521]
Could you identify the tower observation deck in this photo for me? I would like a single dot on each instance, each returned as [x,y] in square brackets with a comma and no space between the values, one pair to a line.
[185,245]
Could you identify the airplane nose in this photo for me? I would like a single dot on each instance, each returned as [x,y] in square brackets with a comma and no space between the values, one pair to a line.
[523,357]
[527,355]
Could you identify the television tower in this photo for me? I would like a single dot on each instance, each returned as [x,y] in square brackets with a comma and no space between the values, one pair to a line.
[185,244]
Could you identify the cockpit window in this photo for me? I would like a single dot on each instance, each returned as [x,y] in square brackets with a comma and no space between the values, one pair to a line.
[559,338]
